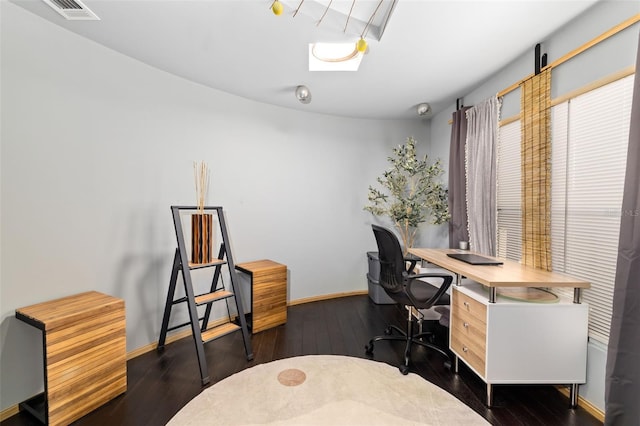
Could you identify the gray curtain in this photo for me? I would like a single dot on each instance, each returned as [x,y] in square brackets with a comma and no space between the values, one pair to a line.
[622,388]
[457,180]
[482,135]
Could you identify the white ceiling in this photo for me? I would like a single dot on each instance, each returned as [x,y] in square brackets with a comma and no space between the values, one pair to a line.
[430,51]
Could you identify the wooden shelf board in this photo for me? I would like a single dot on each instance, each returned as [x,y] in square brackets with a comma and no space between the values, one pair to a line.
[212,297]
[219,331]
[214,262]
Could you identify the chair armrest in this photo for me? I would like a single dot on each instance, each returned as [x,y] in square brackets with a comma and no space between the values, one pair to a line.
[413,280]
[430,274]
[413,261]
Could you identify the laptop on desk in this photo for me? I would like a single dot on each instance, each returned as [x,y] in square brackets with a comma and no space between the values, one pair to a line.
[474,259]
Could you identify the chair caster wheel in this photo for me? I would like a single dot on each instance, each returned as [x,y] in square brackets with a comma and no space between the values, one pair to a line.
[404,370]
[388,331]
[368,349]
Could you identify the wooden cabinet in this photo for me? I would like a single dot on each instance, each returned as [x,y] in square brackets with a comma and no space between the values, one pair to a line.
[511,342]
[84,342]
[268,293]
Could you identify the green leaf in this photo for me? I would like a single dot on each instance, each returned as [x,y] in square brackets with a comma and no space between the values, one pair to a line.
[411,192]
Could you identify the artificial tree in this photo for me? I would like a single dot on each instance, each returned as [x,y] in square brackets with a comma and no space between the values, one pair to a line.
[411,192]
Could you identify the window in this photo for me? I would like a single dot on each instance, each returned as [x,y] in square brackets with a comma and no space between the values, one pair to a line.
[590,134]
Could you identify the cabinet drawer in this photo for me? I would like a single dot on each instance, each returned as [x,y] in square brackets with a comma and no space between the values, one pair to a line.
[464,306]
[469,354]
[470,331]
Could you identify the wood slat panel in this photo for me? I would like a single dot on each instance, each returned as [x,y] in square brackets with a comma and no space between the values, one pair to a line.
[79,345]
[269,303]
[84,329]
[271,274]
[272,320]
[535,116]
[258,266]
[269,293]
[93,397]
[79,375]
[94,378]
[201,238]
[57,313]
[84,360]
[85,352]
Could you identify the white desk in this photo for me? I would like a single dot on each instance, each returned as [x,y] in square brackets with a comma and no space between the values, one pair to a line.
[513,342]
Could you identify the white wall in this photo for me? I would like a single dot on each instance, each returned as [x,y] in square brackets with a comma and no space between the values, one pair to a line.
[95,149]
[605,59]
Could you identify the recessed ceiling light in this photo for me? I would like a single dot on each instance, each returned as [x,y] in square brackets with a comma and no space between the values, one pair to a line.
[423,109]
[334,57]
[303,94]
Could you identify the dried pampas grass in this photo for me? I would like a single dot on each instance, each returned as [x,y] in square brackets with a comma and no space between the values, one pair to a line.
[201,175]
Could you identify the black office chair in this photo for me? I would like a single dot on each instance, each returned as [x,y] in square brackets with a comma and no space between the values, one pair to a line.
[405,287]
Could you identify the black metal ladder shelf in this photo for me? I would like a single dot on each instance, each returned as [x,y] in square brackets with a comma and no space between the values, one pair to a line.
[199,326]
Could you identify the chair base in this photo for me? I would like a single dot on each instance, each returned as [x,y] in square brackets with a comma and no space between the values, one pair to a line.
[410,339]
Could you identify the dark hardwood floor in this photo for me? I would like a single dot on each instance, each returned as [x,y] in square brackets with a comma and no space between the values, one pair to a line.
[160,384]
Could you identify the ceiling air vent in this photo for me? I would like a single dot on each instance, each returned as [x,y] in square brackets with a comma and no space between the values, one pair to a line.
[72,9]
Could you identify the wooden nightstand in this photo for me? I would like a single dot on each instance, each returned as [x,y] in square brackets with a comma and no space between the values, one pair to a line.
[85,364]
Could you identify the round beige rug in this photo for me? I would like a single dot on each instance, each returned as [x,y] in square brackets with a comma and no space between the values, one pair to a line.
[325,390]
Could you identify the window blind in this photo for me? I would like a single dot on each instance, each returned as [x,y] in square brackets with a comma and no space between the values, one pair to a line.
[559,146]
[590,137]
[509,192]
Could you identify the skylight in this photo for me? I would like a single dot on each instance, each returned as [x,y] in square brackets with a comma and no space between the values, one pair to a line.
[334,57]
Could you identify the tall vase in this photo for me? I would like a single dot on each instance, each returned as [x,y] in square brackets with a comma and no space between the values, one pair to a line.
[201,237]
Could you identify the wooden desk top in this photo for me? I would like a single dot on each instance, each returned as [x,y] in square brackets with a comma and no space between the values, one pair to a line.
[510,274]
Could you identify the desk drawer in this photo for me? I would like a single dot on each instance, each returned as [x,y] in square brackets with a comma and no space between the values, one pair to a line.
[463,304]
[469,354]
[469,331]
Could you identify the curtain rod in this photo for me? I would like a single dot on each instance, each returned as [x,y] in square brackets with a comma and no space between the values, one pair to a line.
[618,28]
[625,72]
